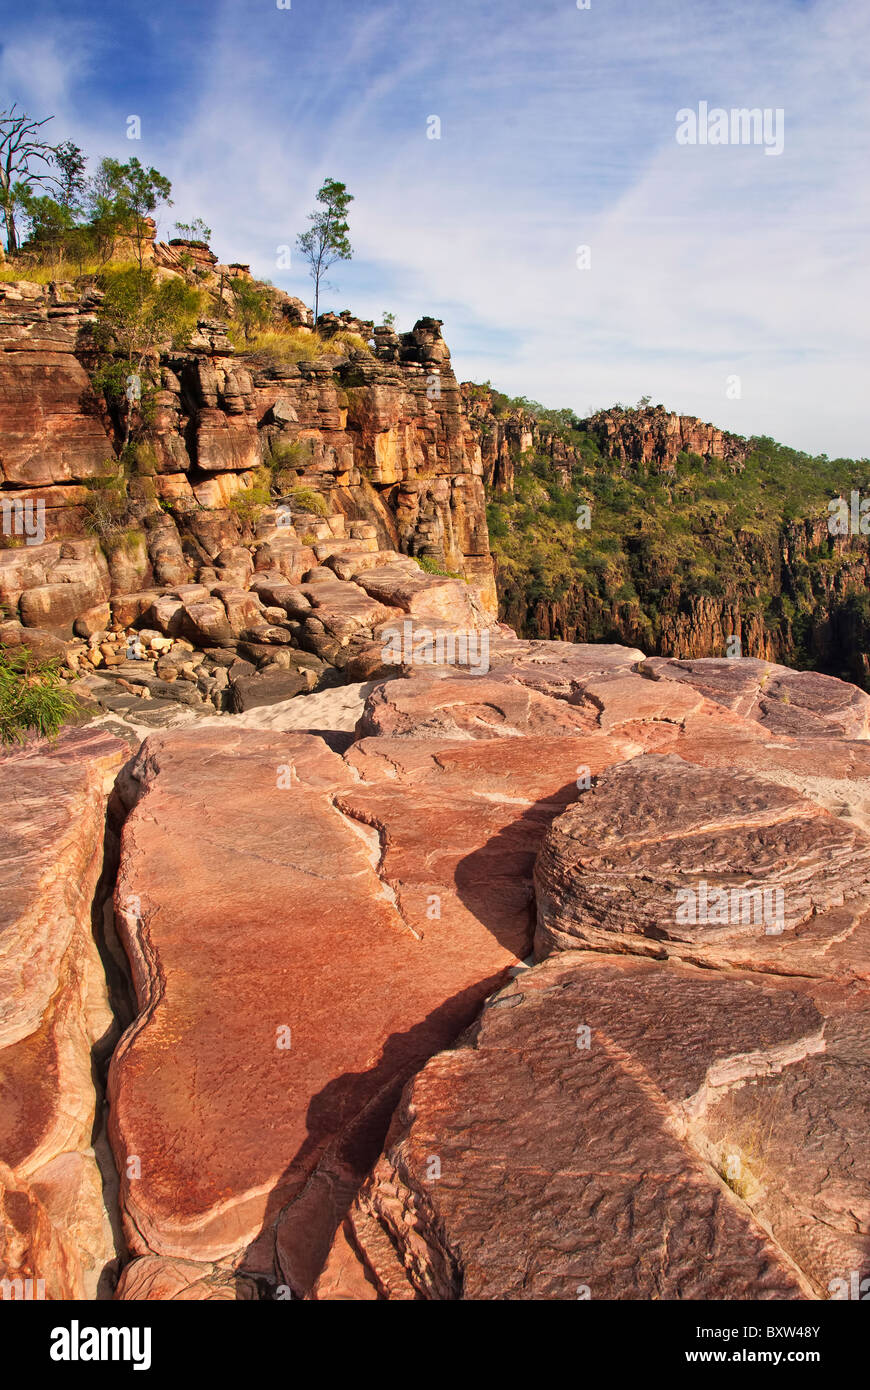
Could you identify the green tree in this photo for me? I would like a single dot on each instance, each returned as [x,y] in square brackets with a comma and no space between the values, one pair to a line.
[106,220]
[253,305]
[326,241]
[71,182]
[52,225]
[194,231]
[131,194]
[138,314]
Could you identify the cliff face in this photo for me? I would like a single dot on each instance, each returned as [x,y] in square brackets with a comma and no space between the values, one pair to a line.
[653,437]
[388,440]
[504,438]
[382,438]
[818,618]
[678,573]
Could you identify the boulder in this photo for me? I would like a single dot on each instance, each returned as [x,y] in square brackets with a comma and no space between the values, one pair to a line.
[93,620]
[269,688]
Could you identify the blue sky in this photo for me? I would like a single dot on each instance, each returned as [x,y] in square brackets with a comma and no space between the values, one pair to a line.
[557,131]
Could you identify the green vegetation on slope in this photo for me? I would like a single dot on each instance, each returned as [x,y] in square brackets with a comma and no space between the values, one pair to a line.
[657,541]
[33,698]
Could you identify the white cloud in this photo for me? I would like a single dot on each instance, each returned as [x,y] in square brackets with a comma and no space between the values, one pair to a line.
[558,129]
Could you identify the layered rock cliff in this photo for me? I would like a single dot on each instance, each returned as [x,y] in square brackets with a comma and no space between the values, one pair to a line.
[379,437]
[649,527]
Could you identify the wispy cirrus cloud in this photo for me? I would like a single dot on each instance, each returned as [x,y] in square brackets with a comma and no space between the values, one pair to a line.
[557,130]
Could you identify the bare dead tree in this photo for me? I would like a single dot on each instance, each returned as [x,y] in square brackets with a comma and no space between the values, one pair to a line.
[20,148]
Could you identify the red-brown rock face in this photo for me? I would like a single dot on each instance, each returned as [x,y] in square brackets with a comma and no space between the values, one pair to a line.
[621,1127]
[664,1107]
[653,437]
[51,431]
[54,1011]
[546,1157]
[382,438]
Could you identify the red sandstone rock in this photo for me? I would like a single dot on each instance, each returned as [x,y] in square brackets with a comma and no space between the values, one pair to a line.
[665,858]
[801,703]
[37,1259]
[245,1156]
[53,1007]
[467,706]
[47,437]
[422,595]
[549,1156]
[182,1281]
[411,861]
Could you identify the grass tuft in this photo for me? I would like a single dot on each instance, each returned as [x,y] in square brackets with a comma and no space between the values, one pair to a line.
[33,698]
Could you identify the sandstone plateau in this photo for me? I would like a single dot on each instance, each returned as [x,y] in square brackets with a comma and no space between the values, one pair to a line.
[407,1012]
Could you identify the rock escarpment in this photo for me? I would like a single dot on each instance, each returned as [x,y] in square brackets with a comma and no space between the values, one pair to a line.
[379,436]
[660,530]
[652,437]
[214,594]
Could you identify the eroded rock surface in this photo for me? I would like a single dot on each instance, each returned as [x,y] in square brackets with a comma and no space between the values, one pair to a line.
[306,992]
[706,1129]
[313,915]
[714,865]
[548,1155]
[54,1011]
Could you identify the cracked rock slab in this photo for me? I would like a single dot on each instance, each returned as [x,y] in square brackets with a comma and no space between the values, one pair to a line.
[801,703]
[548,1156]
[54,1008]
[467,707]
[285,993]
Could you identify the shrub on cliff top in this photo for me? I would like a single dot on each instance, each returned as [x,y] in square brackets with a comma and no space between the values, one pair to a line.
[33,698]
[305,499]
[277,345]
[344,339]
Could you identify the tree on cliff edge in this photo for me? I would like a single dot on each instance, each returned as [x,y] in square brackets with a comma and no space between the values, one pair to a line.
[326,241]
[25,163]
[131,195]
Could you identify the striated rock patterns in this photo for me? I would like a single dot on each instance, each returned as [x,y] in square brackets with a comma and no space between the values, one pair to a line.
[546,982]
